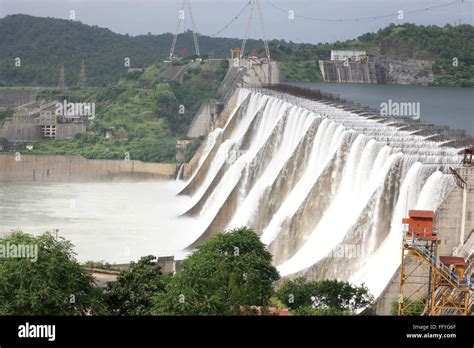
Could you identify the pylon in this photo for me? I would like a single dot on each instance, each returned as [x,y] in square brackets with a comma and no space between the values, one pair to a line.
[82,76]
[185,4]
[61,82]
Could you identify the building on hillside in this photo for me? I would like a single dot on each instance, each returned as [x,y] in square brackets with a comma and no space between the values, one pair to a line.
[352,56]
[38,120]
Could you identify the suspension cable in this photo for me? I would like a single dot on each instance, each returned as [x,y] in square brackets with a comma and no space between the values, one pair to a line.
[275,6]
[232,20]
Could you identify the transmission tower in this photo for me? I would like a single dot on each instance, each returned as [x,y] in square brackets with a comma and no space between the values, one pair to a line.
[61,83]
[255,9]
[185,7]
[82,76]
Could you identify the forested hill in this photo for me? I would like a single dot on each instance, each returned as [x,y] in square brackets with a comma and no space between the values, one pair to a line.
[43,44]
[438,44]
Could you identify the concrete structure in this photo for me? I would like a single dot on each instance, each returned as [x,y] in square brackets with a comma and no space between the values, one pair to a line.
[235,53]
[21,131]
[10,99]
[205,117]
[353,56]
[348,72]
[32,168]
[232,80]
[260,72]
[181,146]
[221,120]
[166,264]
[37,120]
[455,215]
[252,72]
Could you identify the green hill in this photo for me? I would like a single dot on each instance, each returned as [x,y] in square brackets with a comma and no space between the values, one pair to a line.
[439,44]
[43,44]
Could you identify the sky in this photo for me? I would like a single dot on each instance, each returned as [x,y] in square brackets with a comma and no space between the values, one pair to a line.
[137,17]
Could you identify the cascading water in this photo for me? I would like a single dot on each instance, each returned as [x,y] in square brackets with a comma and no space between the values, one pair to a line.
[311,178]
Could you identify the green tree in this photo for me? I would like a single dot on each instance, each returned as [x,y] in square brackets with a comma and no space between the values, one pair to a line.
[132,293]
[310,311]
[414,307]
[231,272]
[337,295]
[48,282]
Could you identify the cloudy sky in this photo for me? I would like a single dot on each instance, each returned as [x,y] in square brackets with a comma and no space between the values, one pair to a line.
[158,16]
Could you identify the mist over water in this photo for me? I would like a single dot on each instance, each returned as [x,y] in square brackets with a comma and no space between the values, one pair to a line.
[114,222]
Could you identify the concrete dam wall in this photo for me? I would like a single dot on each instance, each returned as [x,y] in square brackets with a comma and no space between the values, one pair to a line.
[325,188]
[349,72]
[33,168]
[382,70]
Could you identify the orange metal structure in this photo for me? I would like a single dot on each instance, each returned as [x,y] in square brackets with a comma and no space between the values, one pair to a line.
[439,283]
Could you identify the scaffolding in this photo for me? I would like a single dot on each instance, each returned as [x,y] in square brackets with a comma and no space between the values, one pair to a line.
[437,283]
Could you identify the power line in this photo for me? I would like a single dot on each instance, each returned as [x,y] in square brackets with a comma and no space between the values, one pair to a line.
[233,19]
[364,18]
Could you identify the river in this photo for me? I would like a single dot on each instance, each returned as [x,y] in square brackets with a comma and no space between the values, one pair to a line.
[113,222]
[444,106]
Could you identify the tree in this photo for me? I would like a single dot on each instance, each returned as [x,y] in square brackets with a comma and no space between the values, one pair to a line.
[134,289]
[295,293]
[412,307]
[229,273]
[46,279]
[324,295]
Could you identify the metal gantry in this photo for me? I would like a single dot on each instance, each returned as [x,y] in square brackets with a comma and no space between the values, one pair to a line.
[256,8]
[438,283]
[185,6]
[81,83]
[61,81]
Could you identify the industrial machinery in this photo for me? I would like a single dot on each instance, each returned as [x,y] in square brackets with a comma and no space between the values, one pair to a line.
[439,283]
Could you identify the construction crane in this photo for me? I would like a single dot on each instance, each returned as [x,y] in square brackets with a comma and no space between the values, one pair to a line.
[185,6]
[438,283]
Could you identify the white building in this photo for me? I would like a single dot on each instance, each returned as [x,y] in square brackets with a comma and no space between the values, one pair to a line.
[353,56]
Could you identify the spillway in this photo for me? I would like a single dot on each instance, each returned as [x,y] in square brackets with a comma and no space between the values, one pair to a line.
[325,188]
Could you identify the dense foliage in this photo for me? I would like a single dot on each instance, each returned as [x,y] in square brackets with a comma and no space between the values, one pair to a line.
[225,276]
[440,44]
[134,289]
[145,116]
[323,297]
[53,284]
[228,275]
[43,44]
[412,307]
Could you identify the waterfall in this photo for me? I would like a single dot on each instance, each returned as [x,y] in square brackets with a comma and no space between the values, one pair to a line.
[180,172]
[312,178]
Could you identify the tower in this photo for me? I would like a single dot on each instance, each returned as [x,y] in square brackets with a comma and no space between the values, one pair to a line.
[61,82]
[82,76]
[255,8]
[437,285]
[185,10]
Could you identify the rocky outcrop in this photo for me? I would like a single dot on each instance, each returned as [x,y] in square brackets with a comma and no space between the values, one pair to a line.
[404,71]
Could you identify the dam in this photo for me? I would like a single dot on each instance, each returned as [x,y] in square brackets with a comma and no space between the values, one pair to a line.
[326,188]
